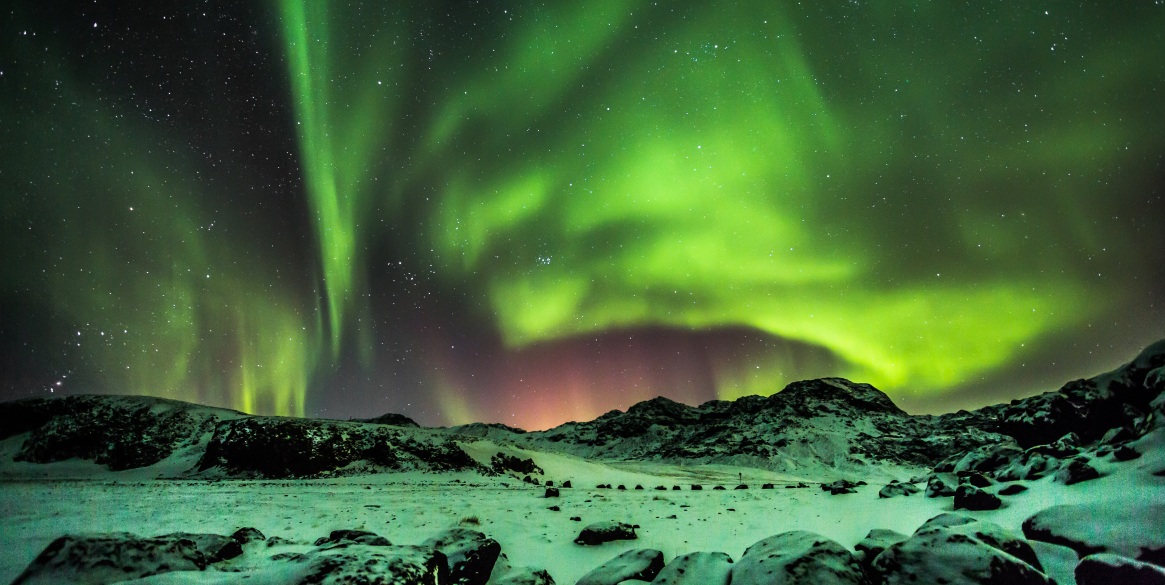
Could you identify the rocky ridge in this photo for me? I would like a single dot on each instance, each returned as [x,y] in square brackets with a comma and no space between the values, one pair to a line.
[829,423]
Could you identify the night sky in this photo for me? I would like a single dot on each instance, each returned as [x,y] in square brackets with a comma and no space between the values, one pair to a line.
[534,212]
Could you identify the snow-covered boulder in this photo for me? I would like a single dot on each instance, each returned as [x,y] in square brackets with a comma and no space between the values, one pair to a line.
[640,564]
[1107,568]
[698,568]
[798,557]
[360,563]
[988,457]
[956,549]
[471,555]
[107,558]
[1114,526]
[1033,464]
[601,532]
[505,573]
[876,541]
[895,488]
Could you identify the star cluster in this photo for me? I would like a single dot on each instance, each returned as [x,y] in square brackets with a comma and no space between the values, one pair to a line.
[530,213]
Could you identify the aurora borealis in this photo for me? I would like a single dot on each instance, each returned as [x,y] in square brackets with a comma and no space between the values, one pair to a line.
[530,213]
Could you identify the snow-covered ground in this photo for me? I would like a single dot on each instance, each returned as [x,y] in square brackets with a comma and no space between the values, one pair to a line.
[408,508]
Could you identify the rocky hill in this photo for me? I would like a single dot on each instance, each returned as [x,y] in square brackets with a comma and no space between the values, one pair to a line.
[843,424]
[830,423]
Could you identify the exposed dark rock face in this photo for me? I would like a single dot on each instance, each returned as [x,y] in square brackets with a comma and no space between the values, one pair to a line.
[272,447]
[502,463]
[1088,408]
[115,431]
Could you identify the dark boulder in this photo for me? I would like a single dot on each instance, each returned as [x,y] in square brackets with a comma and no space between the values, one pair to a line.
[346,537]
[501,463]
[1076,471]
[973,478]
[470,555]
[972,498]
[601,532]
[1110,569]
[1012,489]
[551,493]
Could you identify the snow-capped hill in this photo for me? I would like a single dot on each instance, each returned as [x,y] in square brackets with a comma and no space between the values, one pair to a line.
[120,432]
[832,423]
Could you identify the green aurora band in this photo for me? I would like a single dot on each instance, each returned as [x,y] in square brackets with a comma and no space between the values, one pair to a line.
[917,188]
[708,173]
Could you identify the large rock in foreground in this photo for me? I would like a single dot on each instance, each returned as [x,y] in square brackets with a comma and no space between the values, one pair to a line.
[951,548]
[107,558]
[797,558]
[698,568]
[640,564]
[1133,530]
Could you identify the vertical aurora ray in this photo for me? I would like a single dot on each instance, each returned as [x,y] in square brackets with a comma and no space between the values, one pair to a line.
[344,120]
